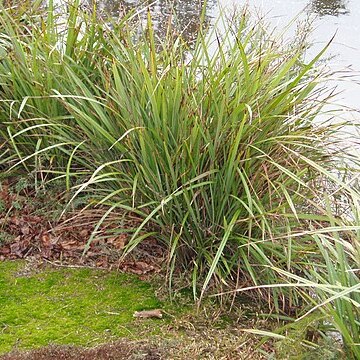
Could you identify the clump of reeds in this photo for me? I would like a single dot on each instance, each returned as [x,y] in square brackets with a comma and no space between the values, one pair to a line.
[214,146]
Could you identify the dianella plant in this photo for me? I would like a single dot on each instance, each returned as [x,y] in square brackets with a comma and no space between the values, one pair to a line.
[222,148]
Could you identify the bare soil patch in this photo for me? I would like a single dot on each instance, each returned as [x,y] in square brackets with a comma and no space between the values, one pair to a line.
[112,351]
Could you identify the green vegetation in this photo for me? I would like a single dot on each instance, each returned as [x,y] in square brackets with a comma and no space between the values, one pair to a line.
[215,147]
[68,306]
[46,306]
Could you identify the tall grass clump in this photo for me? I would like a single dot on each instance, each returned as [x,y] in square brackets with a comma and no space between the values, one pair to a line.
[214,146]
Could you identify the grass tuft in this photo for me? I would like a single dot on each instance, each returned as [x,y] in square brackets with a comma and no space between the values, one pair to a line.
[216,146]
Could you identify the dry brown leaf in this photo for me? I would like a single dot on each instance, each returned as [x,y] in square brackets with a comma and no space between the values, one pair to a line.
[25,229]
[119,241]
[71,245]
[19,246]
[84,233]
[45,239]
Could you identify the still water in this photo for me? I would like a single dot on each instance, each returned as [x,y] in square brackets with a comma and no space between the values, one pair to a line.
[331,17]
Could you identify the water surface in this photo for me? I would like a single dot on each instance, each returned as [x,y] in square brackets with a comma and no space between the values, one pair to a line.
[331,17]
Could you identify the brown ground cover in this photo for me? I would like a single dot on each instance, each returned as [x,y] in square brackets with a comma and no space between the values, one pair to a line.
[113,351]
[29,228]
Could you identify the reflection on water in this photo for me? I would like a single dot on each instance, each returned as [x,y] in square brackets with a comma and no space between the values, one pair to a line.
[329,7]
[183,15]
[187,12]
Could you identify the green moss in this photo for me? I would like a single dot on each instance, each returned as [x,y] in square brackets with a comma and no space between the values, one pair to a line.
[69,306]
